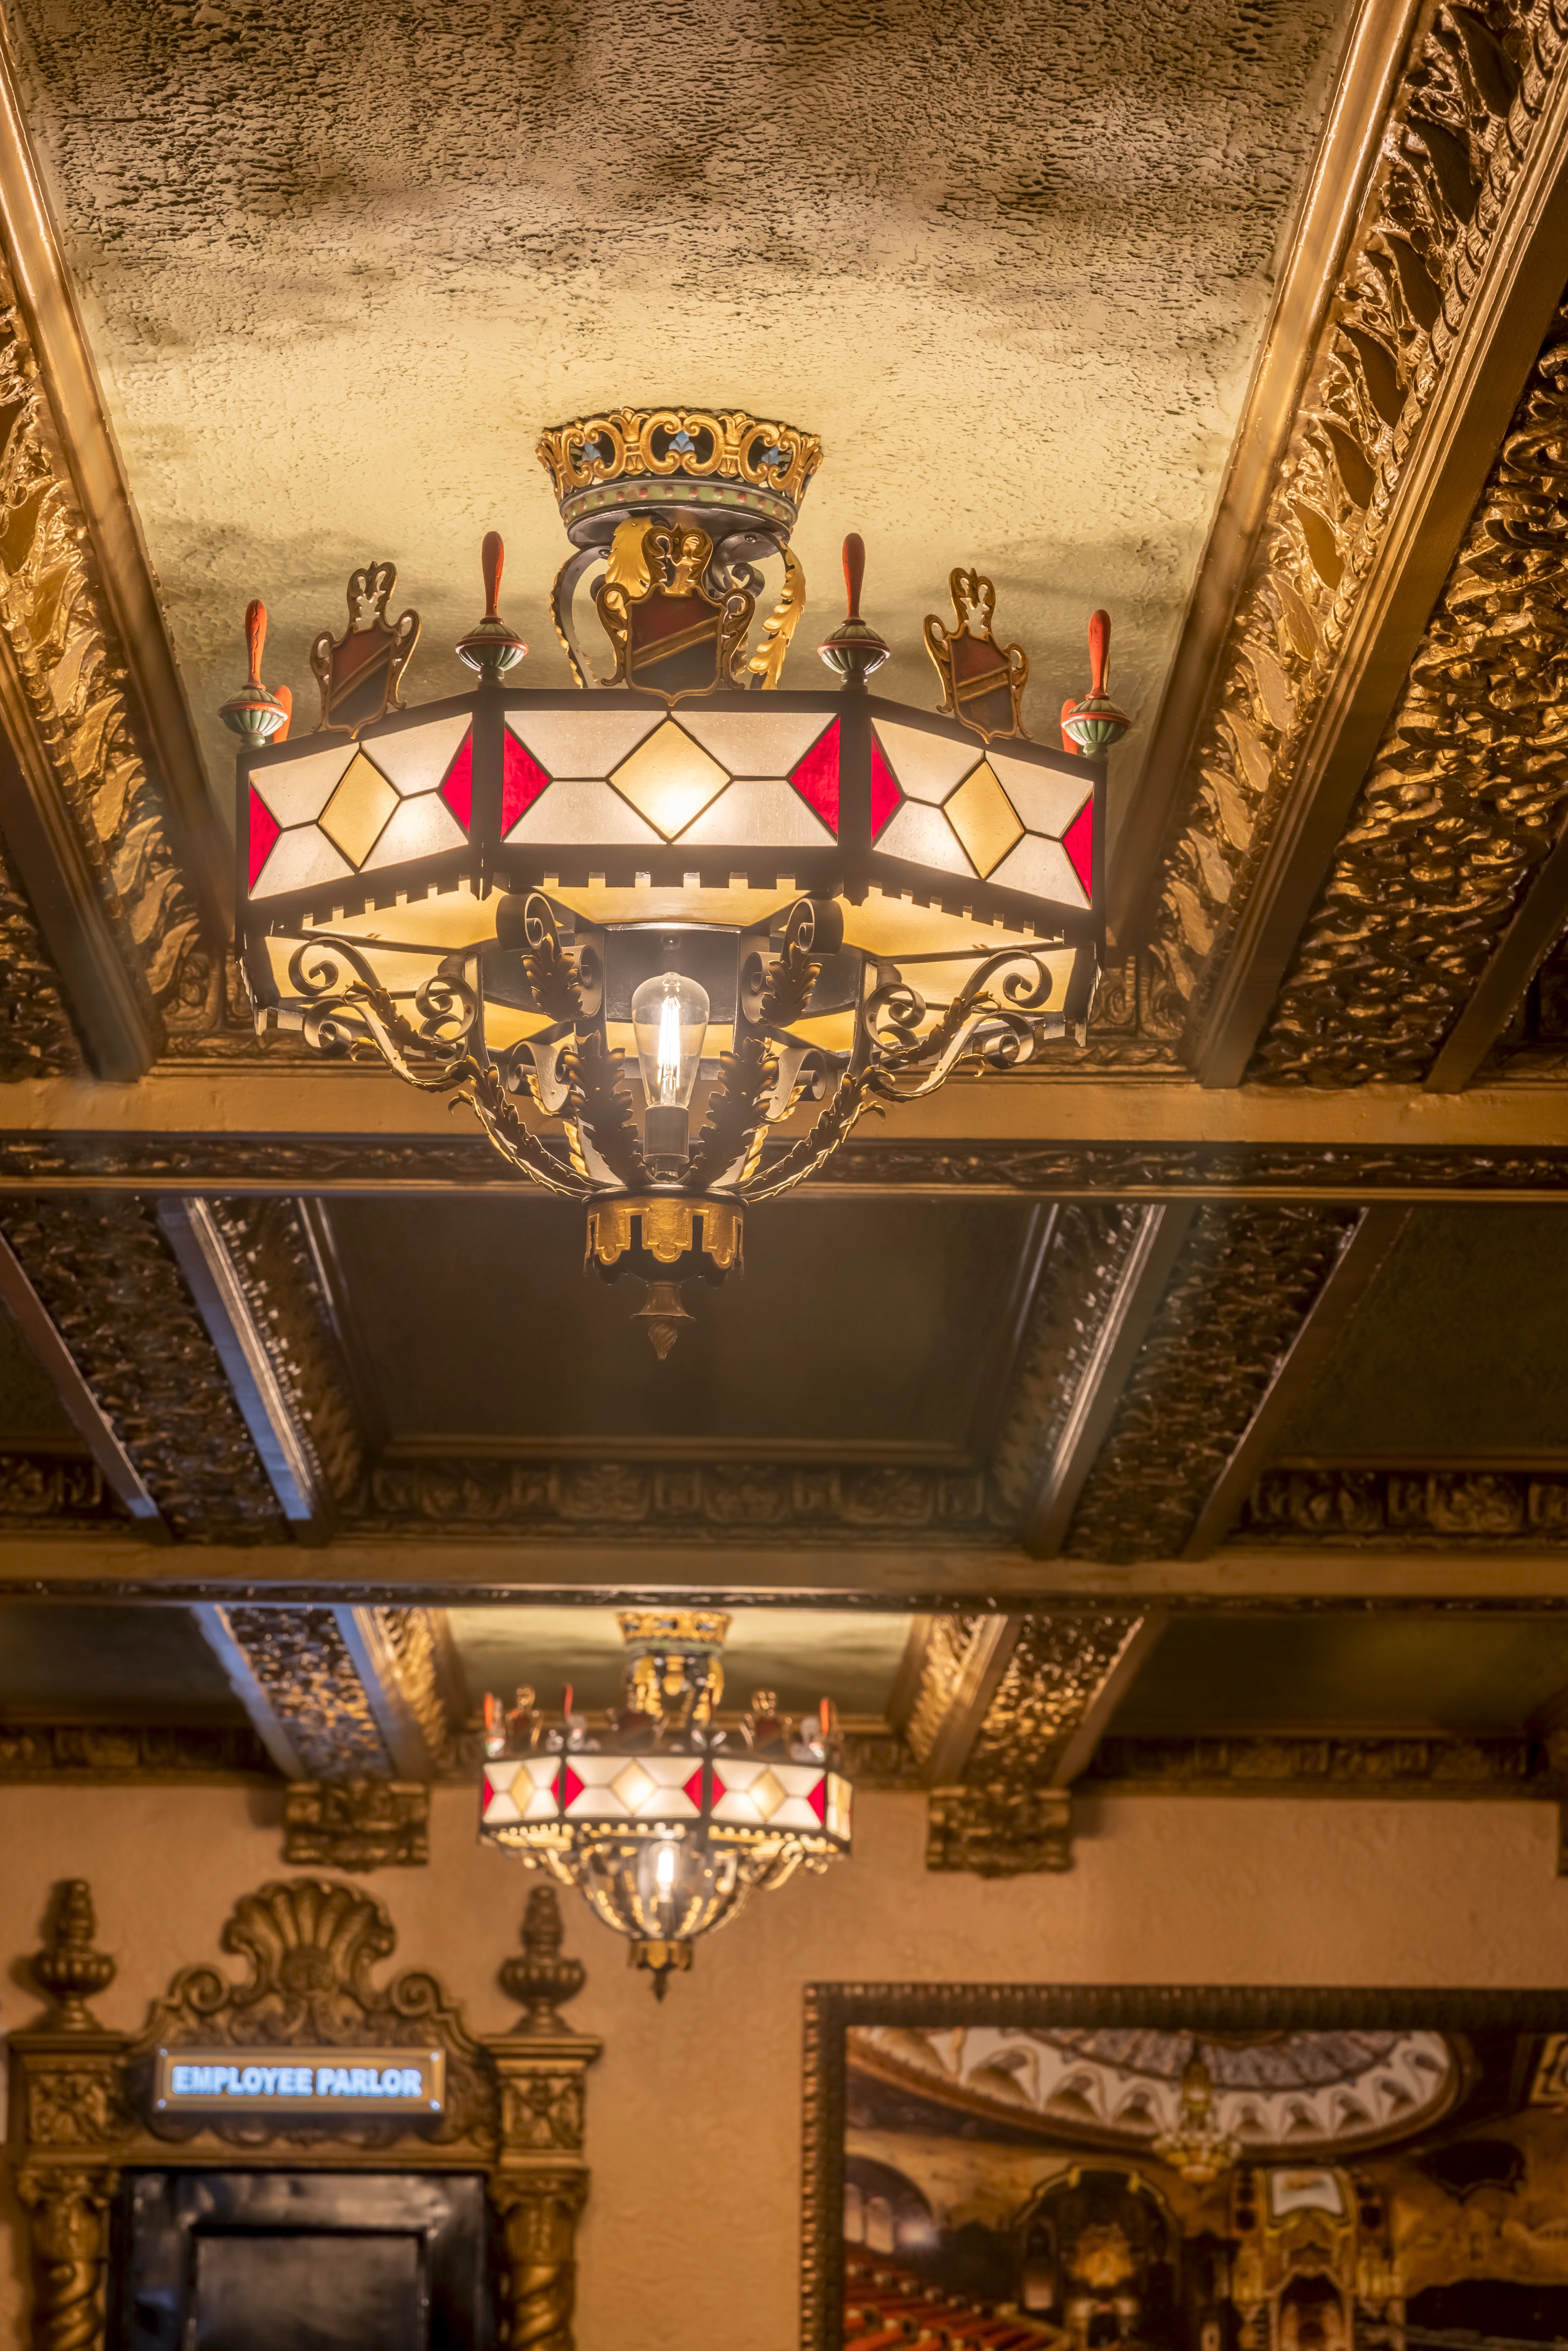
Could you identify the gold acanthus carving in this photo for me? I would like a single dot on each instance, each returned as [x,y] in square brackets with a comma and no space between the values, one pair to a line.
[275,1268]
[1399,1508]
[1466,796]
[310,1681]
[356,1823]
[53,618]
[68,2214]
[941,1678]
[1473,93]
[1056,1670]
[1246,1279]
[999,1828]
[1087,1250]
[115,1294]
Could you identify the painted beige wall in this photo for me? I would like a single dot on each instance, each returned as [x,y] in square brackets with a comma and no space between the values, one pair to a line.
[693,2112]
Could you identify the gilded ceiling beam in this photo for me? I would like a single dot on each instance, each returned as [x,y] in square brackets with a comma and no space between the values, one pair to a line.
[1363,1249]
[961,1663]
[1154,1239]
[122,574]
[1448,285]
[1347,155]
[251,1270]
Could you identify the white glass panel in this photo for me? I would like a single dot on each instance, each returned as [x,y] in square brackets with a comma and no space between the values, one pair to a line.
[416,758]
[928,765]
[758,742]
[588,814]
[758,816]
[297,790]
[1045,799]
[418,829]
[1042,868]
[795,1813]
[581,742]
[925,836]
[300,860]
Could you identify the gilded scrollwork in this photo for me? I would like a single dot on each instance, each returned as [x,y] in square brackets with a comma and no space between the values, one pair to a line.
[53,618]
[1474,89]
[69,2216]
[1466,796]
[1474,1507]
[107,1279]
[1244,1283]
[308,1678]
[725,444]
[999,1828]
[276,1266]
[1057,1668]
[98,1752]
[44,1487]
[356,1823]
[1088,1249]
[947,1643]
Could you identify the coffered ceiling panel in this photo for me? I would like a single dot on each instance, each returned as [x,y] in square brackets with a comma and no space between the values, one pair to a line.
[66,1663]
[854,1327]
[340,267]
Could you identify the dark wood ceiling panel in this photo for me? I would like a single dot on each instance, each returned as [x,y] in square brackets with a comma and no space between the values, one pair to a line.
[866,1328]
[1348,1673]
[1466,1355]
[81,1662]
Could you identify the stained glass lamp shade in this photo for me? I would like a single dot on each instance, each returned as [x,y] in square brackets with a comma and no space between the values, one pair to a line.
[666,1822]
[859,898]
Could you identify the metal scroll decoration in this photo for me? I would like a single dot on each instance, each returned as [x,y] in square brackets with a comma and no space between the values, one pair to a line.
[360,672]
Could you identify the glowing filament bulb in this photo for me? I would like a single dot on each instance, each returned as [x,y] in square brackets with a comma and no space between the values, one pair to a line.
[664,1867]
[669,1063]
[669,1024]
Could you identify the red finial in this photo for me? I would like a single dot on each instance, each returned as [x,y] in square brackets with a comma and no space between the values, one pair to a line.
[1099,650]
[256,637]
[854,572]
[284,697]
[1067,741]
[492,556]
[566,1702]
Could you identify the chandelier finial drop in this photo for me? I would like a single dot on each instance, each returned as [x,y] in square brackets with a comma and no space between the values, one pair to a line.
[854,649]
[490,646]
[254,714]
[1095,723]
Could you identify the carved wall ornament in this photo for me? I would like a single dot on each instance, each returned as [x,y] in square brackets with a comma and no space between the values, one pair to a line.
[81,2111]
[356,1823]
[1057,1668]
[52,1489]
[997,1828]
[1475,87]
[1244,1283]
[140,1752]
[1466,793]
[69,1969]
[308,1677]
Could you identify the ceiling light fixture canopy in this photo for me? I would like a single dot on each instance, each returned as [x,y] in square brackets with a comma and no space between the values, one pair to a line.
[769,899]
[1197,2147]
[666,1822]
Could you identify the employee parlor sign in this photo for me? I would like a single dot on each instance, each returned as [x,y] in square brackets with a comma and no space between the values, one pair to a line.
[325,2082]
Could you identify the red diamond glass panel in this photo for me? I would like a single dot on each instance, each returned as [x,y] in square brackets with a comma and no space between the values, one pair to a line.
[817,1797]
[490,1797]
[693,1791]
[885,792]
[718,1788]
[816,777]
[457,791]
[263,831]
[1079,842]
[570,1786]
[522,781]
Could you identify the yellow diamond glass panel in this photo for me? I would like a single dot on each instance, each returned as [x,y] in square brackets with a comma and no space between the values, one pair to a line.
[767,1795]
[984,819]
[669,780]
[634,1787]
[353,817]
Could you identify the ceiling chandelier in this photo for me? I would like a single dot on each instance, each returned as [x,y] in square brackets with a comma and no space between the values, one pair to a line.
[664,1822]
[1197,2145]
[769,898]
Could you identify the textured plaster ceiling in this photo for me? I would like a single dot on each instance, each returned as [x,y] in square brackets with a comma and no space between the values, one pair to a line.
[338,265]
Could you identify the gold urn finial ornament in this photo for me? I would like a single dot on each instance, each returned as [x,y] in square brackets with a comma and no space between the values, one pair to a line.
[673,938]
[666,1821]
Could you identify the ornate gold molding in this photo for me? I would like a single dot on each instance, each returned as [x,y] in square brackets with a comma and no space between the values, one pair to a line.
[1230,1765]
[1395,1509]
[1465,798]
[107,1280]
[1241,1290]
[1442,248]
[55,1489]
[99,1753]
[999,1829]
[514,2106]
[356,1823]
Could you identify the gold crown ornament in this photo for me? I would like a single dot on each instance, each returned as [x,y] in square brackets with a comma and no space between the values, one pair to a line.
[719,483]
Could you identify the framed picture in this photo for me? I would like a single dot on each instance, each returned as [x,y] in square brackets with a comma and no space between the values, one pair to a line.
[1008,2167]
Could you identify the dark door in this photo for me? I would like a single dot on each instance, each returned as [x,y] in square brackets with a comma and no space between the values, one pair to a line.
[302,2261]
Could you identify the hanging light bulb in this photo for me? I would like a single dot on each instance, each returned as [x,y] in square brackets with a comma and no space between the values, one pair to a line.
[669,1022]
